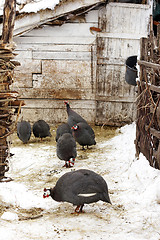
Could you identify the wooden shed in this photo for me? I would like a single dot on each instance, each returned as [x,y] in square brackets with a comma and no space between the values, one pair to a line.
[77,51]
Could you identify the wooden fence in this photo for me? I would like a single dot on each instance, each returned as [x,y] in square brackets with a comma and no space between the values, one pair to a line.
[148,100]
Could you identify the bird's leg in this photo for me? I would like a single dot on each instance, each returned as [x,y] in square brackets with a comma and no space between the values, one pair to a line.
[71,162]
[66,164]
[79,209]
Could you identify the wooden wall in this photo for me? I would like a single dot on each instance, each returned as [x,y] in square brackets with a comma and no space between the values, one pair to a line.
[58,63]
[86,67]
[122,27]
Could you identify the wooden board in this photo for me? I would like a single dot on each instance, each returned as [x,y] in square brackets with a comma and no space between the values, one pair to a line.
[62,93]
[23,75]
[54,111]
[115,113]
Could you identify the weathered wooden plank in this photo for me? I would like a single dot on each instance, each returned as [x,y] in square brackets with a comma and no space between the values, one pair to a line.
[23,55]
[65,74]
[74,68]
[116,99]
[117,49]
[56,40]
[22,80]
[111,82]
[117,35]
[55,116]
[154,132]
[62,55]
[129,18]
[58,81]
[23,74]
[76,105]
[65,30]
[114,113]
[154,88]
[149,64]
[52,47]
[62,93]
[46,109]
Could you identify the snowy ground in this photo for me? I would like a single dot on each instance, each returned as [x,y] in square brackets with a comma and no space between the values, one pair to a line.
[134,189]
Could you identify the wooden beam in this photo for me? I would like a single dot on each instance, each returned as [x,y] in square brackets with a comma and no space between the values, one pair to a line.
[153,131]
[154,88]
[8,20]
[149,64]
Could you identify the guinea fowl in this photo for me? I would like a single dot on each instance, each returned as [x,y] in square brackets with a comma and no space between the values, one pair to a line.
[24,131]
[84,134]
[41,129]
[66,149]
[73,117]
[63,128]
[79,187]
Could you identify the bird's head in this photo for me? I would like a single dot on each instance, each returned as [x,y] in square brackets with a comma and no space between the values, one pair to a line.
[75,127]
[47,192]
[66,102]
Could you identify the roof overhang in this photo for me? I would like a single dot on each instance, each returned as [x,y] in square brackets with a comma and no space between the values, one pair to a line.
[25,22]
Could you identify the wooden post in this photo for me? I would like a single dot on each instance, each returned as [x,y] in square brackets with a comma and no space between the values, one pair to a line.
[6,73]
[8,20]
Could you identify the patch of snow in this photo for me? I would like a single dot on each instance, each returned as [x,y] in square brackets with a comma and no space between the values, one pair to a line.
[134,189]
[28,6]
[9,216]
[39,5]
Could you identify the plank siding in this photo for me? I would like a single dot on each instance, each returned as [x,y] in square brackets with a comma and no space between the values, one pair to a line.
[66,69]
[122,27]
[86,67]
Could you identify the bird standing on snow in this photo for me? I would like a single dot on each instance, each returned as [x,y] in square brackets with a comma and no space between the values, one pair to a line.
[83,134]
[73,117]
[63,128]
[79,187]
[24,131]
[41,129]
[66,149]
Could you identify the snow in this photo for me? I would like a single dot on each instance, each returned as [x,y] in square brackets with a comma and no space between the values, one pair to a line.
[39,5]
[9,216]
[134,188]
[27,6]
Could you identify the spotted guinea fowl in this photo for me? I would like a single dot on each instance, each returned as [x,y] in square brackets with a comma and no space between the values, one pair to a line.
[63,128]
[24,131]
[41,129]
[73,117]
[79,187]
[84,134]
[66,149]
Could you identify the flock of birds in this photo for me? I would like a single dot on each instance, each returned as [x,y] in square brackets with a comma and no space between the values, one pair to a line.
[80,186]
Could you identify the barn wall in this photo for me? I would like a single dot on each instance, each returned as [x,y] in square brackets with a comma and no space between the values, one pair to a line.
[122,27]
[58,63]
[86,67]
